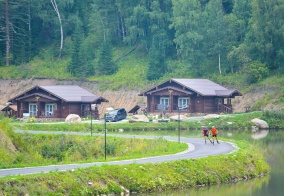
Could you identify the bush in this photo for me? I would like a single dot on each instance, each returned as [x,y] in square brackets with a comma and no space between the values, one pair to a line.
[255,72]
[275,118]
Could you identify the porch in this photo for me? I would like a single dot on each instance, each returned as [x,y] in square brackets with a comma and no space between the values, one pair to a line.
[189,104]
[169,104]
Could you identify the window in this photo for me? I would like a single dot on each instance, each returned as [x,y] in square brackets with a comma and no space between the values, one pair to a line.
[49,109]
[218,101]
[32,109]
[183,103]
[165,101]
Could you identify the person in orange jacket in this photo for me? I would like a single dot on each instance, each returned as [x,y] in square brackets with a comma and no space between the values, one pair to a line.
[214,133]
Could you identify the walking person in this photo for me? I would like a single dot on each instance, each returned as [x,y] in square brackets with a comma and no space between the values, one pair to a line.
[205,132]
[214,133]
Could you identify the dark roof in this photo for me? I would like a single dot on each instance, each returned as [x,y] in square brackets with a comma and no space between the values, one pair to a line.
[10,107]
[203,87]
[137,107]
[68,93]
[225,93]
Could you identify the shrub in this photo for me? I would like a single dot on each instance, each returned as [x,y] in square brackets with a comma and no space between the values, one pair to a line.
[255,72]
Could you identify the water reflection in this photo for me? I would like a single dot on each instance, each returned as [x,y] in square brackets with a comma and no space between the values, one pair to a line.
[272,143]
[260,134]
[240,188]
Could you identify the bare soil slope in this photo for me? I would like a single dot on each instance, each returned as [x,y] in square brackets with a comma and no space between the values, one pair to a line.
[122,98]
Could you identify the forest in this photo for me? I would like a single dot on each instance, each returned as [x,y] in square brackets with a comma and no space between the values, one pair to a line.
[197,36]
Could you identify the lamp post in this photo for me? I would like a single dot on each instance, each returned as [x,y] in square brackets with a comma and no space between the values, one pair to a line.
[105,135]
[91,120]
[178,124]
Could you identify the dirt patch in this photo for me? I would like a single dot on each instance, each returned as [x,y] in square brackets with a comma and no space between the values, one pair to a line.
[253,97]
[6,143]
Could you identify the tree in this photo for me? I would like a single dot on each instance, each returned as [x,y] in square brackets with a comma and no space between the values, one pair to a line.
[237,27]
[255,71]
[265,37]
[105,65]
[157,62]
[14,28]
[146,20]
[189,32]
[54,5]
[77,40]
[7,33]
[216,36]
[86,59]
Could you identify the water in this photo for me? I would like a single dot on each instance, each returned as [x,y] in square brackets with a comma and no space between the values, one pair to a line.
[272,142]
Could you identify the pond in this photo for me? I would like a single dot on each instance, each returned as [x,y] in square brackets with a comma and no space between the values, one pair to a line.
[272,142]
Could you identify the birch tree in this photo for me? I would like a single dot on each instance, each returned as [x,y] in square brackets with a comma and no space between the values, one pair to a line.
[215,32]
[54,5]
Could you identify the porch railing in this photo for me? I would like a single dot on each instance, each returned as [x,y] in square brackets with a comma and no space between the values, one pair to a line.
[225,108]
[176,107]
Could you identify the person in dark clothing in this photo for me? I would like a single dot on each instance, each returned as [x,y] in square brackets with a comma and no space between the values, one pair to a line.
[205,132]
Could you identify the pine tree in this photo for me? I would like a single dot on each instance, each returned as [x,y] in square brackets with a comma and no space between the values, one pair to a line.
[106,65]
[86,57]
[157,63]
[77,40]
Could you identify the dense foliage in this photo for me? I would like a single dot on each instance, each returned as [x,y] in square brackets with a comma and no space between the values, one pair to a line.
[201,36]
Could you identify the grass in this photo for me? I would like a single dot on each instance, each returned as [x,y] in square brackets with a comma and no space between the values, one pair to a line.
[62,149]
[241,121]
[246,163]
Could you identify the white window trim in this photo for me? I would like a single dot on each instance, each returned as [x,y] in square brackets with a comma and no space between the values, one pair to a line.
[31,112]
[183,98]
[168,98]
[49,113]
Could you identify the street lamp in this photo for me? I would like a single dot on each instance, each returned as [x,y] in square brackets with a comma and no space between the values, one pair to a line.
[91,120]
[105,134]
[178,124]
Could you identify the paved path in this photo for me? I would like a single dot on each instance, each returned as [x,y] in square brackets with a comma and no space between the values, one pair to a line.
[196,149]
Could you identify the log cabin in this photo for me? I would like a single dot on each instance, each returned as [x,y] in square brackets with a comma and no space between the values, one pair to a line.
[189,96]
[57,101]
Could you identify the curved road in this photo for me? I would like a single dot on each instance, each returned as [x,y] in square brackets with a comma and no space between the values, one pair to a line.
[196,149]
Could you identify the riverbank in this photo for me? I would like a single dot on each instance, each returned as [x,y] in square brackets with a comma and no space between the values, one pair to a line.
[241,121]
[246,163]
